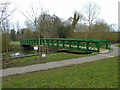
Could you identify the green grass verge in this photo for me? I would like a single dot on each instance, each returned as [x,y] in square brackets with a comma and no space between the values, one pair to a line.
[38,59]
[98,74]
[14,43]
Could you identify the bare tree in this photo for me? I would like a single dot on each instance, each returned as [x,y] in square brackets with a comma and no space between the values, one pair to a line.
[19,35]
[4,14]
[4,24]
[38,20]
[28,25]
[31,16]
[92,10]
[17,25]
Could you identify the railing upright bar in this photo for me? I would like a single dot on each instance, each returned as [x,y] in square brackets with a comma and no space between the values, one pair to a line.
[87,45]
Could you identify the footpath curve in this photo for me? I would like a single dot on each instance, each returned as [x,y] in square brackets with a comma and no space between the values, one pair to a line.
[56,64]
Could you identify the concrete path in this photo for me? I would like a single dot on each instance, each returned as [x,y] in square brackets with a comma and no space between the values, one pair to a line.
[51,65]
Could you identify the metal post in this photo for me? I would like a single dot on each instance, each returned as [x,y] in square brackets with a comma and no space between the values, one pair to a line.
[70,44]
[98,46]
[106,45]
[63,43]
[57,43]
[39,44]
[109,47]
[52,43]
[48,42]
[77,44]
[87,45]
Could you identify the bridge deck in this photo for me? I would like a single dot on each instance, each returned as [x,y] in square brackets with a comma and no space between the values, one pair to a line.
[71,44]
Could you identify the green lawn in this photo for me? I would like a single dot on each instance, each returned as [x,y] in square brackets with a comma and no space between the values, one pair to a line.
[38,59]
[14,43]
[99,74]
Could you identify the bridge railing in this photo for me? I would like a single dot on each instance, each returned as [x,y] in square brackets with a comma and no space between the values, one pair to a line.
[71,44]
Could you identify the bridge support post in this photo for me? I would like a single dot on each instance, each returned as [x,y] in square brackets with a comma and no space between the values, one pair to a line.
[47,41]
[63,43]
[98,46]
[57,43]
[77,44]
[109,46]
[106,45]
[52,43]
[87,45]
[69,44]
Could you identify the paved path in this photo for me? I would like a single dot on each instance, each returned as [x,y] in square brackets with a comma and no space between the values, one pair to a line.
[51,65]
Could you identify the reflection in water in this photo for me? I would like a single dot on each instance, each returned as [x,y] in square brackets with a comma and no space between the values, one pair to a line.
[15,54]
[23,52]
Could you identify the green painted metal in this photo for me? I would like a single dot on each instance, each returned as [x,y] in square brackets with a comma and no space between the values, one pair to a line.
[71,44]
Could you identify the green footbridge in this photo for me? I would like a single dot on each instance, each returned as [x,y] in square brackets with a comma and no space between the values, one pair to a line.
[70,44]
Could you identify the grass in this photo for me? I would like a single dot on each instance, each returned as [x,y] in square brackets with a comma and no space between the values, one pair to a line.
[98,74]
[117,45]
[14,43]
[38,59]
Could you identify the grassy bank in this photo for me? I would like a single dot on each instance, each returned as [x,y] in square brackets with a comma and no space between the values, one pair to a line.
[99,74]
[38,59]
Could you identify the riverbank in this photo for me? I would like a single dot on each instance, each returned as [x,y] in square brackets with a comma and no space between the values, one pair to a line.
[17,51]
[19,62]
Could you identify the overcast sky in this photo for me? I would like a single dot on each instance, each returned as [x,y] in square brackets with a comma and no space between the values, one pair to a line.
[65,8]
